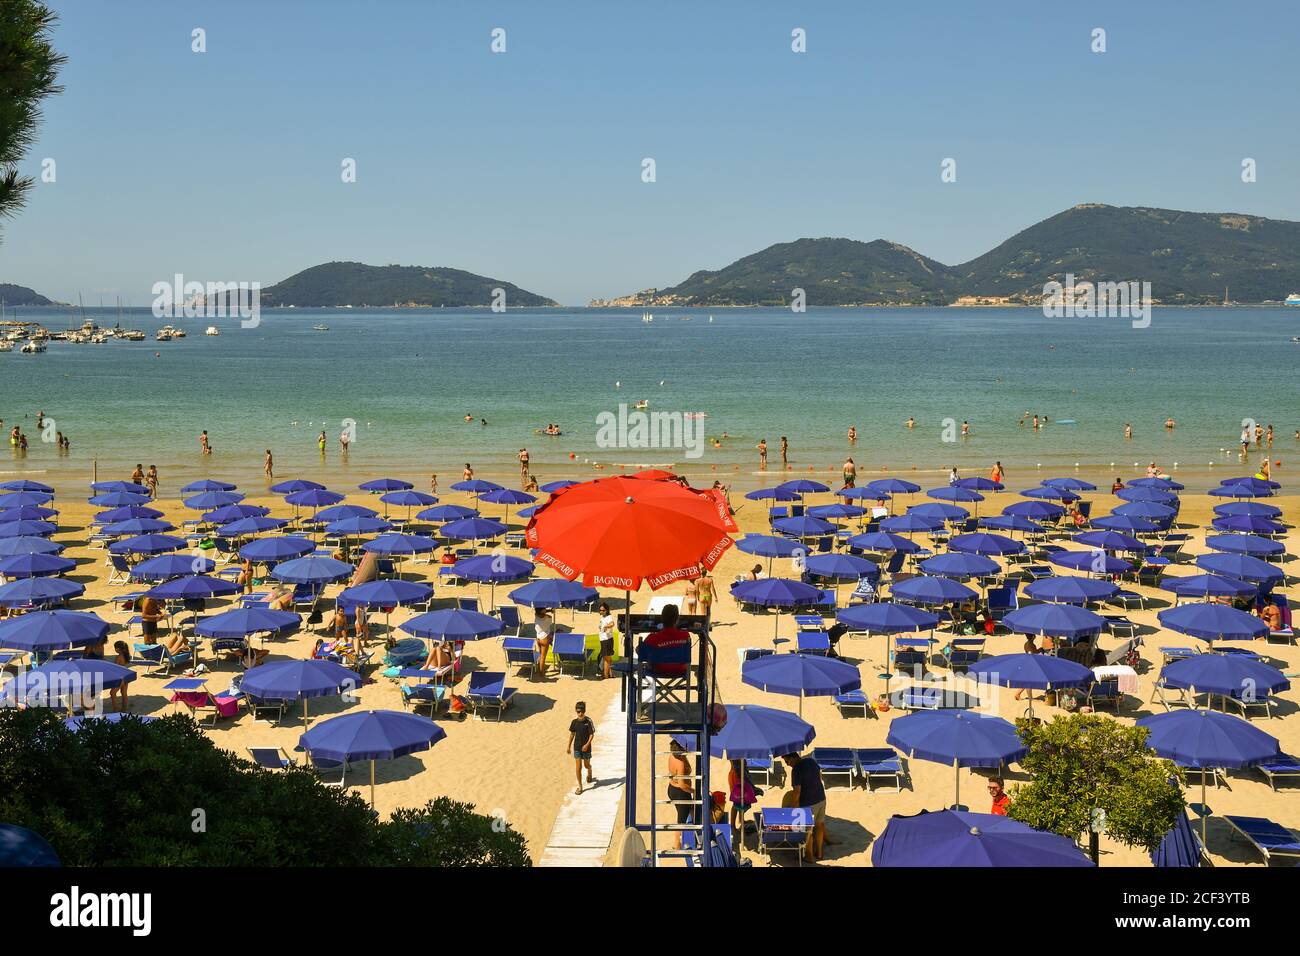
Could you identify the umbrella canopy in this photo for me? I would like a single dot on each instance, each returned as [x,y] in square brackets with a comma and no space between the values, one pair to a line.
[1208,738]
[207,484]
[27,544]
[230,513]
[371,735]
[1070,590]
[312,497]
[776,592]
[114,486]
[1211,621]
[394,543]
[1129,523]
[1244,544]
[386,593]
[554,592]
[476,486]
[1246,524]
[983,543]
[453,625]
[147,544]
[138,526]
[243,621]
[1241,566]
[1209,585]
[255,524]
[507,496]
[1010,523]
[27,513]
[803,486]
[473,529]
[1110,541]
[893,486]
[53,682]
[1050,493]
[173,565]
[957,738]
[38,591]
[1242,488]
[883,542]
[1254,509]
[1054,620]
[340,512]
[619,532]
[298,680]
[841,567]
[488,568]
[193,587]
[22,499]
[409,499]
[804,526]
[211,500]
[446,513]
[294,485]
[956,564]
[934,509]
[886,617]
[977,483]
[771,546]
[45,631]
[960,838]
[23,529]
[25,484]
[1032,671]
[1034,510]
[1069,484]
[551,486]
[1151,510]
[312,570]
[837,510]
[954,493]
[116,499]
[800,675]
[930,590]
[1147,494]
[386,484]
[361,524]
[911,522]
[280,548]
[34,565]
[773,494]
[1230,675]
[1179,847]
[1096,562]
[113,515]
[753,732]
[863,494]
[1155,481]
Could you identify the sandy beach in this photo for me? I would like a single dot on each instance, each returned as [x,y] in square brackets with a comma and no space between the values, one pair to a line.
[519,768]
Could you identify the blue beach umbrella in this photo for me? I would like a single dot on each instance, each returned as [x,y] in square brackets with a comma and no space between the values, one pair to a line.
[800,675]
[1151,510]
[295,485]
[1034,510]
[299,680]
[1254,509]
[490,568]
[841,567]
[959,838]
[804,526]
[361,524]
[1209,585]
[245,621]
[408,500]
[137,526]
[34,565]
[773,494]
[125,513]
[453,624]
[977,483]
[937,510]
[1227,675]
[803,486]
[1128,523]
[1179,846]
[25,484]
[887,617]
[27,513]
[553,486]
[1211,621]
[227,514]
[386,484]
[1054,620]
[312,569]
[118,499]
[212,500]
[339,512]
[386,594]
[110,486]
[476,486]
[247,527]
[954,493]
[508,496]
[1095,562]
[27,529]
[893,486]
[753,732]
[147,544]
[313,498]
[446,513]
[193,587]
[40,632]
[38,591]
[279,548]
[207,484]
[861,493]
[959,738]
[554,592]
[882,542]
[837,510]
[1032,672]
[1010,523]
[1147,494]
[394,543]
[931,591]
[1050,493]
[1241,566]
[472,529]
[780,593]
[23,499]
[1108,540]
[1069,484]
[1252,481]
[1245,544]
[955,564]
[1240,523]
[986,544]
[1070,590]
[27,544]
[372,735]
[1160,484]
[771,546]
[911,522]
[1241,489]
[167,566]
[64,683]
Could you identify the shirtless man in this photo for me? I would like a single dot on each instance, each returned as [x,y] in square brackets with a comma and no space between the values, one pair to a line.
[850,473]
[468,473]
[523,462]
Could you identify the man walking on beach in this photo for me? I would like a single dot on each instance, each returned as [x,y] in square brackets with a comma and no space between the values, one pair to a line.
[807,791]
[523,464]
[581,733]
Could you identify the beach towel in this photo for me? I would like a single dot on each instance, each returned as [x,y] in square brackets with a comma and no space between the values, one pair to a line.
[1126,677]
[367,569]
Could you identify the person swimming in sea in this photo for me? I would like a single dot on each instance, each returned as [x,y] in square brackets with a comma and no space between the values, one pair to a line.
[320,442]
[910,423]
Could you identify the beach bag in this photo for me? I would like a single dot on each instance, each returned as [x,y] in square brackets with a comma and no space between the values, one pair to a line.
[316,616]
[749,794]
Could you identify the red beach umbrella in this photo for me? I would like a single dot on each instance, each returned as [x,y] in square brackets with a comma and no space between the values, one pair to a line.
[654,474]
[618,532]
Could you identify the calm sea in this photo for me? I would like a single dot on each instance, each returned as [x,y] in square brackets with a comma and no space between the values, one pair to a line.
[408,377]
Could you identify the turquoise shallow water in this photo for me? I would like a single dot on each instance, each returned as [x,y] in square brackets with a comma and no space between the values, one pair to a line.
[407,377]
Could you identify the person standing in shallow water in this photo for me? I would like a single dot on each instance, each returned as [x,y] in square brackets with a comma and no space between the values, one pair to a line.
[268,465]
[762,452]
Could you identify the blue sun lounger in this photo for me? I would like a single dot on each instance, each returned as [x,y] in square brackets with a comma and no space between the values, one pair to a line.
[721,854]
[853,700]
[521,652]
[271,758]
[487,689]
[784,828]
[1269,838]
[880,762]
[836,762]
[570,648]
[1284,766]
[910,652]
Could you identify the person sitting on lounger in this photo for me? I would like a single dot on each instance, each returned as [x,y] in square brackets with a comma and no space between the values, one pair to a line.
[1271,615]
[281,600]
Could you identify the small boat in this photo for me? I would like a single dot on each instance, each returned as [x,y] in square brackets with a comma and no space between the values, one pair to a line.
[212,330]
[647,317]
[6,345]
[32,346]
[320,328]
[1295,339]
[642,405]
[163,335]
[1293,299]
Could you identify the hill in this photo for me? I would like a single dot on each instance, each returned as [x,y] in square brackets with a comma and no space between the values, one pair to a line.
[21,295]
[360,285]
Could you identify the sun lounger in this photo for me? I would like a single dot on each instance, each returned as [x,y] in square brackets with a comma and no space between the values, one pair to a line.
[880,762]
[261,706]
[193,695]
[1159,690]
[1244,705]
[424,694]
[570,648]
[1269,838]
[488,690]
[812,642]
[721,854]
[1105,692]
[965,651]
[271,758]
[836,762]
[919,697]
[1127,599]
[1171,654]
[332,773]
[119,570]
[784,828]
[910,652]
[508,615]
[1283,767]
[763,770]
[1036,571]
[853,700]
[521,652]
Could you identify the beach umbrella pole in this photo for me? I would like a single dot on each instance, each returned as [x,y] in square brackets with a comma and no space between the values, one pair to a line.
[372,783]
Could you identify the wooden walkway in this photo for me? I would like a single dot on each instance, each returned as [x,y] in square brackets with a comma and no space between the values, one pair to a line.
[585,824]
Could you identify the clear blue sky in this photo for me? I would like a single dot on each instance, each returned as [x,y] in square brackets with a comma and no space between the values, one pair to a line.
[525,166]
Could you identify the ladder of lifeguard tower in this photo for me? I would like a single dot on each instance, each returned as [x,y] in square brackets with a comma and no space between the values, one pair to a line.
[660,723]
